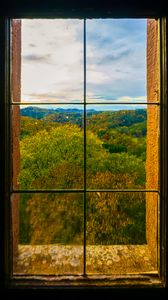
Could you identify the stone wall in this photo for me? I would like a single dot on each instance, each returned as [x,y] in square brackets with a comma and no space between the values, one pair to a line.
[152,142]
[15,130]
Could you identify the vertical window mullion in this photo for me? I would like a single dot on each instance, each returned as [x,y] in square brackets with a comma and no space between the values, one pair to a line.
[84,126]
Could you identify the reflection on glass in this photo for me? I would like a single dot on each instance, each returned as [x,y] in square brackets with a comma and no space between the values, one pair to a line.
[116,146]
[116,60]
[119,240]
[51,148]
[52,60]
[50,233]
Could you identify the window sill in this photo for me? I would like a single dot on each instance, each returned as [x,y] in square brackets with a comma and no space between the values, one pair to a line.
[101,259]
[115,281]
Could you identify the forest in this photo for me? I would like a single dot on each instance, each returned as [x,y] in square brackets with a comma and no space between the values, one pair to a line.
[52,157]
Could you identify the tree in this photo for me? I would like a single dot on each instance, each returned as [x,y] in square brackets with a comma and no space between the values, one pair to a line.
[48,151]
[53,158]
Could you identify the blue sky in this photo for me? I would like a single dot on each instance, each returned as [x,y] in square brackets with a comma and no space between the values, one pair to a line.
[52,60]
[117,53]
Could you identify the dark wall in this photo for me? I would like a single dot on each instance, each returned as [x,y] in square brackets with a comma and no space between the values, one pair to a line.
[84,8]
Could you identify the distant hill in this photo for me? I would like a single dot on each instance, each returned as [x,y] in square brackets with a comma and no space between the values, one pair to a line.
[119,132]
[40,113]
[111,119]
[120,118]
[36,112]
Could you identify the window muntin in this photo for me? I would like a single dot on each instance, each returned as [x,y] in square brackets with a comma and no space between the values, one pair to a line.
[85,198]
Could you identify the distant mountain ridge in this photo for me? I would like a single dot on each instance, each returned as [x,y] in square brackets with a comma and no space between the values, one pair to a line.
[40,113]
[95,119]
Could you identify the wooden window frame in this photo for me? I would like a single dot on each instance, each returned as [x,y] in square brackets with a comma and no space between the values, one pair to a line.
[5,82]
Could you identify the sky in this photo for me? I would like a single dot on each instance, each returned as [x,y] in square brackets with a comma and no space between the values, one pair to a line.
[52,68]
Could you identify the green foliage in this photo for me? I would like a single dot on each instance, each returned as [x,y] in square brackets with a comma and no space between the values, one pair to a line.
[46,149]
[30,126]
[123,163]
[56,218]
[114,119]
[112,219]
[24,220]
[52,157]
[51,150]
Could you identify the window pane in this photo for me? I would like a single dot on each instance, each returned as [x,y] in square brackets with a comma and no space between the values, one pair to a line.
[50,233]
[119,240]
[50,146]
[122,146]
[52,60]
[116,60]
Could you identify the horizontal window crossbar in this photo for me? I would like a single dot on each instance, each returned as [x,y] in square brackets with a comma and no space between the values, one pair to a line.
[85,103]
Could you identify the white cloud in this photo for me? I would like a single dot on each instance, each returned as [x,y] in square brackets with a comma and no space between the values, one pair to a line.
[136,99]
[52,60]
[53,65]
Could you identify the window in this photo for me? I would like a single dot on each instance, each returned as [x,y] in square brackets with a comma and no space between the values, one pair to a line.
[58,227]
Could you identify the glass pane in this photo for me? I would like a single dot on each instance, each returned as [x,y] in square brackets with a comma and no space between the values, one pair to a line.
[122,146]
[51,60]
[119,239]
[116,60]
[48,147]
[48,233]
